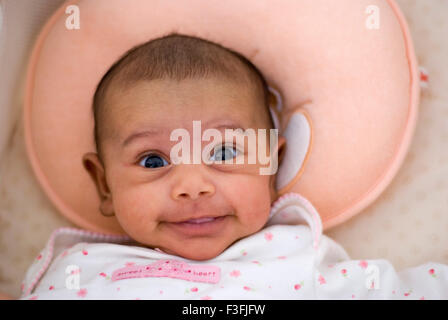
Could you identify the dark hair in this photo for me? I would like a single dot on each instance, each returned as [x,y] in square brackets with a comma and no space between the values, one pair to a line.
[175,57]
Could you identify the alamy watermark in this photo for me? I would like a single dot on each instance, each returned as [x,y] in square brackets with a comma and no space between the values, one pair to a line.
[257,147]
[373,18]
[72,22]
[372,273]
[73,280]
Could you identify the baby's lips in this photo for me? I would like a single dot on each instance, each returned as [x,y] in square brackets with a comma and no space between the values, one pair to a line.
[208,228]
[200,220]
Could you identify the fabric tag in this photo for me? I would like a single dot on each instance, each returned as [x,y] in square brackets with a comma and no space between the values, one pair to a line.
[171,269]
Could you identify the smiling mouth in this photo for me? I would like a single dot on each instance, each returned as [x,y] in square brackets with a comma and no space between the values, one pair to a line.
[200,226]
[200,220]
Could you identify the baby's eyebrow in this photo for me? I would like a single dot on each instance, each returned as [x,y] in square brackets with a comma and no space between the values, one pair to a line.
[154,132]
[138,135]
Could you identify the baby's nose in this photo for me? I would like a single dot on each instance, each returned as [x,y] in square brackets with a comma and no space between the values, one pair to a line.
[191,183]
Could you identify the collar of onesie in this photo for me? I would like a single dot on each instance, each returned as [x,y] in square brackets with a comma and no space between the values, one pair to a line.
[292,209]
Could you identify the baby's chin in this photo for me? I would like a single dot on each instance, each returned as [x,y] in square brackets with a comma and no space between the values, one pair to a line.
[200,252]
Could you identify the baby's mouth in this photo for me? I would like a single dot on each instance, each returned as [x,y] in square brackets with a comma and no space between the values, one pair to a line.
[200,226]
[199,220]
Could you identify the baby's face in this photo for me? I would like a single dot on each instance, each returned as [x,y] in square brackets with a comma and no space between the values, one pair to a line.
[153,198]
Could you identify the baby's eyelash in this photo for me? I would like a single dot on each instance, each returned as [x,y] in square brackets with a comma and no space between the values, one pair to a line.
[139,158]
[238,151]
[155,164]
[143,155]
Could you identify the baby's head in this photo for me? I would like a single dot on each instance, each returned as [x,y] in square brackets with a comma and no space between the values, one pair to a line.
[159,87]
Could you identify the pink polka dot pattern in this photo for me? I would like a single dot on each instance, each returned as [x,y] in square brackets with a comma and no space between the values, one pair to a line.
[410,218]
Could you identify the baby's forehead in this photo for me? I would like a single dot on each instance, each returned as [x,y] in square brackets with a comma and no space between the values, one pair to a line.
[178,58]
[169,104]
[203,98]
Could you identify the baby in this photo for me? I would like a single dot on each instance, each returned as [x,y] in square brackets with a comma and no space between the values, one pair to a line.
[204,230]
[156,88]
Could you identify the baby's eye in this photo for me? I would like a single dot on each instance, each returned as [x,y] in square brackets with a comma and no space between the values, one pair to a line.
[223,153]
[153,161]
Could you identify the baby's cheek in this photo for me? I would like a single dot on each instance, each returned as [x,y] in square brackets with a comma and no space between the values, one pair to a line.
[135,212]
[252,201]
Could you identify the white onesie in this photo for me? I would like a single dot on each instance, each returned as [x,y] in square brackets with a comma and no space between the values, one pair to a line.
[289,258]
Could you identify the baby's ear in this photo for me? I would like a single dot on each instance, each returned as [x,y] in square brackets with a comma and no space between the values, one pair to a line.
[281,147]
[95,168]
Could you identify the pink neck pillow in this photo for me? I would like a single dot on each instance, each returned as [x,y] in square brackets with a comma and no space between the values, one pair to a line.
[345,72]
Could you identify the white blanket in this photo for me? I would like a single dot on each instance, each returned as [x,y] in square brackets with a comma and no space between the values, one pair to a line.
[288,259]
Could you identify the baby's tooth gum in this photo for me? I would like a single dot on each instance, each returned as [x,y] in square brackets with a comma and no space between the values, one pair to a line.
[200,220]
